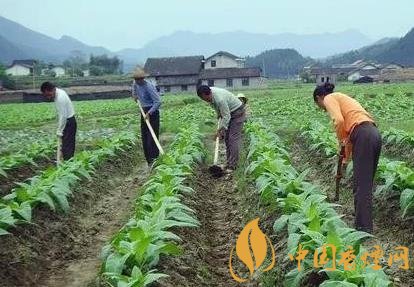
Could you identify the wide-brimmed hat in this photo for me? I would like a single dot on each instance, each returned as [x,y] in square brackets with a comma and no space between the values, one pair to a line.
[139,74]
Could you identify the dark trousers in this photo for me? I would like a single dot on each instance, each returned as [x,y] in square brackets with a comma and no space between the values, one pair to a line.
[234,136]
[151,151]
[366,150]
[69,138]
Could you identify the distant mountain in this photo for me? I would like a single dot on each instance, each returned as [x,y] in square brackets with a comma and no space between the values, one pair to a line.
[401,52]
[9,52]
[389,50]
[36,45]
[370,53]
[279,63]
[244,43]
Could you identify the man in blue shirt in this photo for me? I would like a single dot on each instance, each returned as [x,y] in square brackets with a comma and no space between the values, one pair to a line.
[150,100]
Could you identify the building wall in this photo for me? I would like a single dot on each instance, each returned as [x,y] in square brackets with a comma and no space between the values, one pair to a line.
[18,70]
[237,83]
[321,79]
[393,67]
[369,67]
[177,89]
[223,62]
[59,71]
[354,76]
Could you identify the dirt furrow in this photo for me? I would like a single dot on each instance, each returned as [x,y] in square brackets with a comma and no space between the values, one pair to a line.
[206,249]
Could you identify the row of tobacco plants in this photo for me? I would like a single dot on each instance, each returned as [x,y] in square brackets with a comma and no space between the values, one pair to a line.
[53,186]
[312,224]
[133,253]
[38,146]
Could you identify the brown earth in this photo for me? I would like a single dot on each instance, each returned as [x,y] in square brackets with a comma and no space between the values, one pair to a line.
[21,174]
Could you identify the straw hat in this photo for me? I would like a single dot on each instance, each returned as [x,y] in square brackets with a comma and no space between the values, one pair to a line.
[139,74]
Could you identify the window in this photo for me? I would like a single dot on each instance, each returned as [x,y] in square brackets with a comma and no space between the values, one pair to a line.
[167,89]
[213,63]
[210,83]
[245,82]
[327,79]
[323,79]
[184,88]
[229,82]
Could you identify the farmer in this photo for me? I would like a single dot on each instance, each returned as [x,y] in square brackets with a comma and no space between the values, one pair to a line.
[230,110]
[150,100]
[357,132]
[66,130]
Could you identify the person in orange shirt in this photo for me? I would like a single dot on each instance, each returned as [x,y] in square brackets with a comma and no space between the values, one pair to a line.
[356,130]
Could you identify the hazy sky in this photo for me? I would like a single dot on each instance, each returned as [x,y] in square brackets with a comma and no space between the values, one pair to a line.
[132,23]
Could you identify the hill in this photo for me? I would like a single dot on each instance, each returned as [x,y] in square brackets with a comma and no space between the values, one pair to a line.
[279,63]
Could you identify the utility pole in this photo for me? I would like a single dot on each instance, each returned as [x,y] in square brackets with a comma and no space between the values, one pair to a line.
[33,76]
[264,67]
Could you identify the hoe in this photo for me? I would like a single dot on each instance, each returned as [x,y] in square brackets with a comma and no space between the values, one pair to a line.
[215,170]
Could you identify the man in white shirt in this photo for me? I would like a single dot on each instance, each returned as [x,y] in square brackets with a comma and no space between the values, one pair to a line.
[66,130]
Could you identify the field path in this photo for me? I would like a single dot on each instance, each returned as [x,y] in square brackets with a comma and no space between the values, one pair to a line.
[96,227]
[206,249]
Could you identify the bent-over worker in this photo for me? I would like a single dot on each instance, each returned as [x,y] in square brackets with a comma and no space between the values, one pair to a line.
[356,130]
[67,126]
[230,110]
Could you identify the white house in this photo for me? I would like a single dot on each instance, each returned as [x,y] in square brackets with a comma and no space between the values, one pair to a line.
[86,73]
[232,78]
[223,59]
[21,68]
[59,71]
[226,70]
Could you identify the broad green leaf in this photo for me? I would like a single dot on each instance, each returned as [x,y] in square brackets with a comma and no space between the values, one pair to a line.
[280,223]
[337,284]
[115,263]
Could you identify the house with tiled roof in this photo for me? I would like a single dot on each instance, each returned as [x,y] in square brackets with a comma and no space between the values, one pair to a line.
[180,74]
[21,68]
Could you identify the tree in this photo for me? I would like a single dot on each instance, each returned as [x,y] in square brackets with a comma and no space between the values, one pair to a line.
[76,63]
[279,63]
[4,78]
[104,65]
[2,71]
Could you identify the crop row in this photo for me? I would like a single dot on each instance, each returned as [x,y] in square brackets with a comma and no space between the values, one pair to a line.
[311,222]
[54,185]
[45,147]
[133,253]
[396,177]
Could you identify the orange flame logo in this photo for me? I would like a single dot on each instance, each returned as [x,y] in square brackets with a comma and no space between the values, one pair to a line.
[251,249]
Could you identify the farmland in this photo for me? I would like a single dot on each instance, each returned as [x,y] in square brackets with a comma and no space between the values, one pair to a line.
[102,219]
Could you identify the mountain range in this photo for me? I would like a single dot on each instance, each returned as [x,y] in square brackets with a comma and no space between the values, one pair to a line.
[388,50]
[19,42]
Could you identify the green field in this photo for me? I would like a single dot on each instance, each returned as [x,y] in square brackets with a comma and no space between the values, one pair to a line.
[102,219]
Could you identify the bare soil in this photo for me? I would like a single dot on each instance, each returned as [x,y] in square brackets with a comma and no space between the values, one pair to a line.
[21,174]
